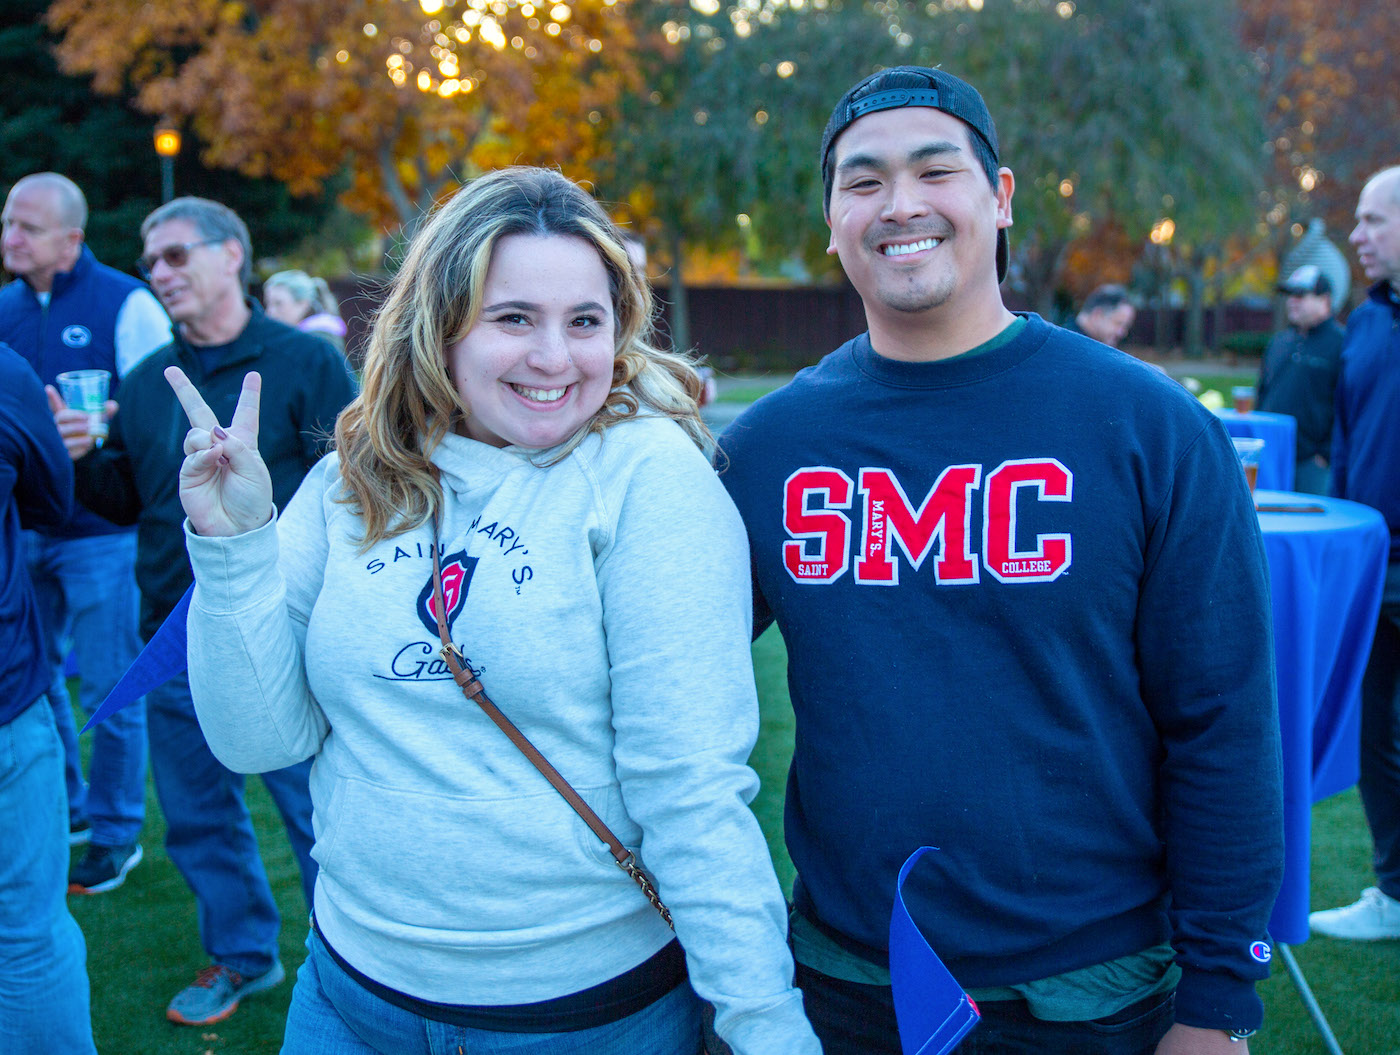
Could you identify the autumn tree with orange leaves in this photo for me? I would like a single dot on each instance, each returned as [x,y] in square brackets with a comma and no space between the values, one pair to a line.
[1328,90]
[412,96]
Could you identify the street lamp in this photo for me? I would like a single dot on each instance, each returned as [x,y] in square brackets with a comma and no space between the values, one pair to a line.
[167,146]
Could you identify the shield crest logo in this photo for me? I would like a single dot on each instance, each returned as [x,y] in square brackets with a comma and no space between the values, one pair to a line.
[457,572]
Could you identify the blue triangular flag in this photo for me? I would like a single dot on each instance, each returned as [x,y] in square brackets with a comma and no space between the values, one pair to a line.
[931,1008]
[163,657]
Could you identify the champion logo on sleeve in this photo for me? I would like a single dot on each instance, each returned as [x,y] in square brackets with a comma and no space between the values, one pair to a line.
[1261,951]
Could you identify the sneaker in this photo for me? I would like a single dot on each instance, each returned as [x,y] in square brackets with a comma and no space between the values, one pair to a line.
[79,833]
[1374,917]
[215,993]
[103,868]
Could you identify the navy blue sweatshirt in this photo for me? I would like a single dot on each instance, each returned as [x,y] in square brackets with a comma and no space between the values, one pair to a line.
[1366,434]
[36,491]
[1026,608]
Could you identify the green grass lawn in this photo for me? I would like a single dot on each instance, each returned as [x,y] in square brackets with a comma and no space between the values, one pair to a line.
[143,944]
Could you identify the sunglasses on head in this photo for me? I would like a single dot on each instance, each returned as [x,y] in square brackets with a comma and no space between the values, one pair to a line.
[173,255]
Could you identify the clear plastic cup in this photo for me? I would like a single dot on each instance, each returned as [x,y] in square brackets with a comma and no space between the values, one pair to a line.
[87,390]
[1242,396]
[1249,449]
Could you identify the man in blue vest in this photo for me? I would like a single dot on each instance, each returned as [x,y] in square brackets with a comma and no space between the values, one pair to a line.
[66,311]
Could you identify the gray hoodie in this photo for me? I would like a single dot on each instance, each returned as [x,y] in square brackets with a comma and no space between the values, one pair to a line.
[604,602]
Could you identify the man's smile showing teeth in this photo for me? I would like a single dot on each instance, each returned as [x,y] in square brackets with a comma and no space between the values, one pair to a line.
[540,395]
[912,247]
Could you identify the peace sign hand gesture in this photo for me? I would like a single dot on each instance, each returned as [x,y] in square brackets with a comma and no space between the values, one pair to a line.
[224,484]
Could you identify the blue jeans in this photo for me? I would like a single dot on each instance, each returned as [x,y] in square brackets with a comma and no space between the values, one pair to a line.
[850,1018]
[1380,738]
[86,588]
[332,1014]
[43,971]
[209,834]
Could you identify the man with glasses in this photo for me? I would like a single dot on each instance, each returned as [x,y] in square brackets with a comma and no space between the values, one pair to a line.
[198,261]
[66,311]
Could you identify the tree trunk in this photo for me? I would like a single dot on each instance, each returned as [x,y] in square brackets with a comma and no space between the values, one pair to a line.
[1196,305]
[680,305]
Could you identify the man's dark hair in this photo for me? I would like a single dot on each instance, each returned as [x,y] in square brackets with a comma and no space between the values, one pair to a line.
[1107,297]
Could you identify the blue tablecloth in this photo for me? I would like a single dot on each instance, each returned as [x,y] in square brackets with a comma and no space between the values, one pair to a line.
[1278,461]
[1326,571]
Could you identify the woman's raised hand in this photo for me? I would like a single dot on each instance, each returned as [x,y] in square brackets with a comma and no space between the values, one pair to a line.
[224,484]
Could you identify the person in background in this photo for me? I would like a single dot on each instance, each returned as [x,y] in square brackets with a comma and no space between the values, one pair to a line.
[197,255]
[299,300]
[517,421]
[1107,315]
[1366,468]
[67,311]
[999,554]
[44,1004]
[1298,373]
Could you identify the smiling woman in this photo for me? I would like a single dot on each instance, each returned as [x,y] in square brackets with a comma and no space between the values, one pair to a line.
[523,482]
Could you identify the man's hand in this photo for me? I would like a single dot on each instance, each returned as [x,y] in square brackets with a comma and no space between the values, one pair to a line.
[75,426]
[224,484]
[1190,1040]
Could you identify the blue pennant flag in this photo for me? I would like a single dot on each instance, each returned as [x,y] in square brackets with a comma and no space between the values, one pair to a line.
[163,657]
[931,1008]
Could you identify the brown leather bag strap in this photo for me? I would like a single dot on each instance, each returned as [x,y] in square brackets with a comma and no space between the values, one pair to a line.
[473,690]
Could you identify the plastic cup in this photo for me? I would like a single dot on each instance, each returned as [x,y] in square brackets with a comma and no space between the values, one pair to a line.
[1243,398]
[87,390]
[1249,449]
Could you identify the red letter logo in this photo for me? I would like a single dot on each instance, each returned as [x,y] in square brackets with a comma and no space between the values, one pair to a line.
[946,515]
[822,552]
[1051,556]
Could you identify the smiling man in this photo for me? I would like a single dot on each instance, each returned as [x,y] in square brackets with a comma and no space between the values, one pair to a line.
[198,260]
[1024,598]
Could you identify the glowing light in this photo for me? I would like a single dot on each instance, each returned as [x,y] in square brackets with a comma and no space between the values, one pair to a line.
[491,32]
[167,142]
[560,12]
[743,219]
[1162,231]
[1065,9]
[701,117]
[1066,188]
[371,30]
[706,7]
[425,81]
[448,88]
[1309,177]
[761,117]
[430,7]
[342,55]
[786,69]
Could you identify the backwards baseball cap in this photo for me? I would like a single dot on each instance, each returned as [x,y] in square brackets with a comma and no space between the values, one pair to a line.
[901,86]
[1307,279]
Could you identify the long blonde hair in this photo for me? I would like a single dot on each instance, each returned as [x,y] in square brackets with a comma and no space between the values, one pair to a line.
[386,437]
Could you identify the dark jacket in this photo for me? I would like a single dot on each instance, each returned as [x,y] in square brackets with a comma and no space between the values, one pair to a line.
[36,491]
[76,330]
[134,478]
[1366,439]
[1298,376]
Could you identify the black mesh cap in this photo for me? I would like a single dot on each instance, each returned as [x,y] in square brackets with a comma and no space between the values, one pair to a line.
[900,86]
